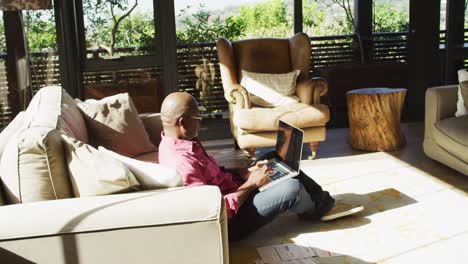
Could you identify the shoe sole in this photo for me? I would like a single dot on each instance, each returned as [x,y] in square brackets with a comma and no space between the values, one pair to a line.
[342,214]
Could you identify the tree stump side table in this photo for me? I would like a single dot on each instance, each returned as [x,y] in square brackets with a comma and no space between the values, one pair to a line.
[374,118]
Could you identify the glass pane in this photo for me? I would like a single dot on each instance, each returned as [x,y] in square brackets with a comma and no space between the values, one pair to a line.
[443,14]
[143,85]
[327,17]
[40,32]
[466,23]
[390,16]
[118,28]
[5,113]
[208,20]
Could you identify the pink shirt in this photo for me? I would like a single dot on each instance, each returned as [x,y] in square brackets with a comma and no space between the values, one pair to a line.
[196,167]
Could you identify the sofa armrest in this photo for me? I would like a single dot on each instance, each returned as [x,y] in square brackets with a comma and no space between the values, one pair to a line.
[441,102]
[240,97]
[310,91]
[153,126]
[110,212]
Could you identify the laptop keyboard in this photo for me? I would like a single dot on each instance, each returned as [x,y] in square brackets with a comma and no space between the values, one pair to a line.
[280,170]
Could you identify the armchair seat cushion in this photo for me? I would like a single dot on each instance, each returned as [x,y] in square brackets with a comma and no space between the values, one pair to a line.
[266,119]
[452,135]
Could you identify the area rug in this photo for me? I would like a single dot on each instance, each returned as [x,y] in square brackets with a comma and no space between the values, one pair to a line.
[410,216]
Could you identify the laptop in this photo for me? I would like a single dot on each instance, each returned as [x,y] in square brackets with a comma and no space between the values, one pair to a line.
[288,153]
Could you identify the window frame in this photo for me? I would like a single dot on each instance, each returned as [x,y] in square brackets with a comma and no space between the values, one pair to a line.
[124,62]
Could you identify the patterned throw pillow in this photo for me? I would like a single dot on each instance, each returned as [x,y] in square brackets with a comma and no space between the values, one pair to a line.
[271,90]
[113,123]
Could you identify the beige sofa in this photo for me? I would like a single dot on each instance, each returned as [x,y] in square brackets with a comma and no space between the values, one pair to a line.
[446,136]
[173,225]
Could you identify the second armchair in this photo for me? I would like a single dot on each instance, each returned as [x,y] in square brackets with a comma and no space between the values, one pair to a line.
[252,123]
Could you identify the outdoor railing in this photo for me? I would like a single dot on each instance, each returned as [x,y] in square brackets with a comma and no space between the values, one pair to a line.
[326,51]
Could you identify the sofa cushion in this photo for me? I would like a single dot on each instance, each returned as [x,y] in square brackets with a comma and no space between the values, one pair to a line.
[452,135]
[151,175]
[270,90]
[52,107]
[114,124]
[149,157]
[163,207]
[153,126]
[13,127]
[94,173]
[266,119]
[33,167]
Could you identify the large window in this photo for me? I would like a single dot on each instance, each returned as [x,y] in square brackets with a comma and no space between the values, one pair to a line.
[41,39]
[390,16]
[206,21]
[5,112]
[119,27]
[119,34]
[443,14]
[328,17]
[121,50]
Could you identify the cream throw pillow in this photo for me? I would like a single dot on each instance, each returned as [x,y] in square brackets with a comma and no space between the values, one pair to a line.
[461,104]
[9,131]
[150,175]
[113,123]
[33,167]
[271,90]
[94,173]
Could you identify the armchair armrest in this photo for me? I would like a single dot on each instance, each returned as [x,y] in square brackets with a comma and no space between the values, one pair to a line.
[240,97]
[441,102]
[110,212]
[310,91]
[153,126]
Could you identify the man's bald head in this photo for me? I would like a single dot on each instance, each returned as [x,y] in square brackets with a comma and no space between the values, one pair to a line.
[176,105]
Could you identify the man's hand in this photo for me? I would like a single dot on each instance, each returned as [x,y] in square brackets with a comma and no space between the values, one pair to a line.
[245,172]
[255,176]
[259,175]
[258,165]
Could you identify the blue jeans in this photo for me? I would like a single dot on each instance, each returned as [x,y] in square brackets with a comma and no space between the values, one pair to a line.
[300,194]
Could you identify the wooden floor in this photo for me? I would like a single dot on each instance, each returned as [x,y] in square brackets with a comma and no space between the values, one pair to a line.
[416,208]
[336,145]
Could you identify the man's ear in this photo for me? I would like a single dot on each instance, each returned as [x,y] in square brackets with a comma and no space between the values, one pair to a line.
[181,121]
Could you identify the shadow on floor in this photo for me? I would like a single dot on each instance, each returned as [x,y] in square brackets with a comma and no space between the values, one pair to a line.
[241,255]
[9,257]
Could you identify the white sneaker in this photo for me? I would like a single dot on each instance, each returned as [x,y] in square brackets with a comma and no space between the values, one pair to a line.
[341,209]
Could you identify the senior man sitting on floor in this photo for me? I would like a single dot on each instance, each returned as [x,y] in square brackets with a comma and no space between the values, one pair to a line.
[247,208]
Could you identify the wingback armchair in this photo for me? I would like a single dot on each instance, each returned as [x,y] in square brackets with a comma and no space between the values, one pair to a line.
[254,126]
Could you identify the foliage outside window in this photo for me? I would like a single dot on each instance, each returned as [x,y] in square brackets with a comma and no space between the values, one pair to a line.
[125,27]
[5,113]
[275,18]
[390,16]
[270,18]
[41,38]
[2,35]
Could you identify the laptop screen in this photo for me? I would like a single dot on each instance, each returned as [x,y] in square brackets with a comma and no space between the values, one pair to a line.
[289,144]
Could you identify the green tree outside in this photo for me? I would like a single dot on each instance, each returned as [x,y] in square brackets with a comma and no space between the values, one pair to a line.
[202,26]
[386,18]
[268,19]
[2,36]
[40,30]
[272,18]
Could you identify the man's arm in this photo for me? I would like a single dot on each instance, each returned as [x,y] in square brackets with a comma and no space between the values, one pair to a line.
[244,173]
[259,175]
